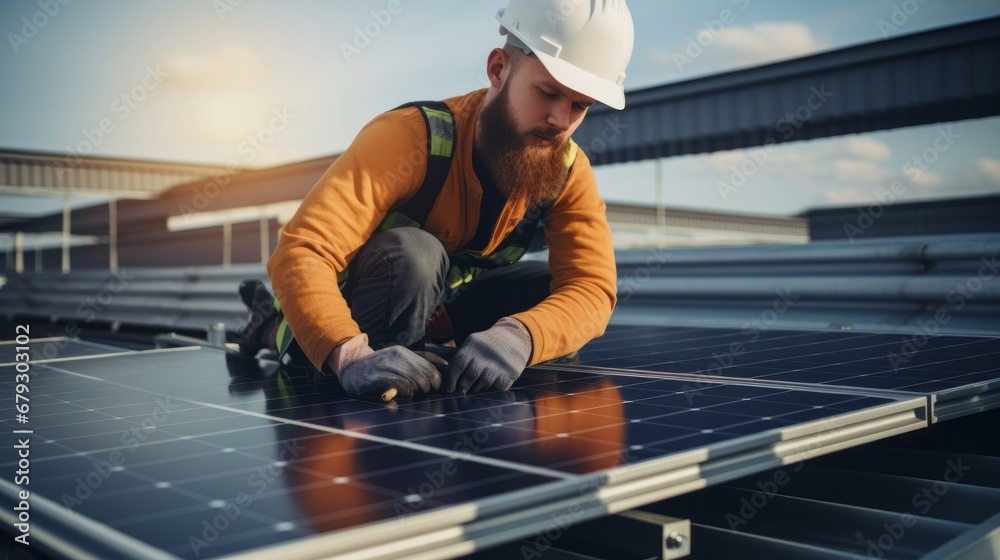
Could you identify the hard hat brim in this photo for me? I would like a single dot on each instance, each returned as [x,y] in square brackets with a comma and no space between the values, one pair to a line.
[581,81]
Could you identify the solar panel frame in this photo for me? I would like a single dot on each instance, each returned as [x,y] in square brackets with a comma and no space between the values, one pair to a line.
[62,347]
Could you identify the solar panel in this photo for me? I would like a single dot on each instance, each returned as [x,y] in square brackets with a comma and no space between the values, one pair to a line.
[171,453]
[157,468]
[57,347]
[961,373]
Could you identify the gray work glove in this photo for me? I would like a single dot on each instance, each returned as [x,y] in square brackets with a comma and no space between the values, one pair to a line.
[491,359]
[395,367]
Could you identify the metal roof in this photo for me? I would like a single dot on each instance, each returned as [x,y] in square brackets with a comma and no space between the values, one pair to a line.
[51,174]
[941,75]
[144,238]
[978,214]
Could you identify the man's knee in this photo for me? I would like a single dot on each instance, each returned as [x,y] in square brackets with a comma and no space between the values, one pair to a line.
[415,254]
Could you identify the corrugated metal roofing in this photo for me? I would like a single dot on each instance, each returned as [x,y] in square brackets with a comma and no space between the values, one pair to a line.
[941,75]
[32,173]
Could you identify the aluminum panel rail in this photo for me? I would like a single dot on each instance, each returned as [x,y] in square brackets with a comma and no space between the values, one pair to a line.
[966,400]
[980,543]
[67,534]
[931,494]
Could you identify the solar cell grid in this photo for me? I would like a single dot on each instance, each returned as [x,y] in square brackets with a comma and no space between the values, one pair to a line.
[159,484]
[154,444]
[877,361]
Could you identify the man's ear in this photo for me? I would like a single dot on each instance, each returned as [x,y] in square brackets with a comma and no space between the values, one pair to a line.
[497,68]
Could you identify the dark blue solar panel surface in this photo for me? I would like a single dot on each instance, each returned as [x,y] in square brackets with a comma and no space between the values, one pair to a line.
[157,468]
[158,445]
[912,363]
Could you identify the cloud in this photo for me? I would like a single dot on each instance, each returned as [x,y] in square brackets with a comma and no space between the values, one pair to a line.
[763,42]
[850,160]
[848,196]
[661,55]
[859,171]
[989,169]
[927,180]
[867,148]
[978,177]
[724,161]
[230,66]
[710,50]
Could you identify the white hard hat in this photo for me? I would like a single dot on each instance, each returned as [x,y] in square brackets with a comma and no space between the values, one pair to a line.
[584,44]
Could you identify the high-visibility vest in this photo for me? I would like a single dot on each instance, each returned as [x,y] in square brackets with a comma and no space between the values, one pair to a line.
[465,265]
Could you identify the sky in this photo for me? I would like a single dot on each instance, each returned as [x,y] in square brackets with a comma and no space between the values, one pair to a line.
[193,80]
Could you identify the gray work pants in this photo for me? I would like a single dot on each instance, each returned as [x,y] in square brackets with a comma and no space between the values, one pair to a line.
[398,278]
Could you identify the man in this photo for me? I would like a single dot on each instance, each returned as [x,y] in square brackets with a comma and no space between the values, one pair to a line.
[358,292]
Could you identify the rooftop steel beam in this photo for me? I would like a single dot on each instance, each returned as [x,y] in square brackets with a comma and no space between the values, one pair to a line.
[941,75]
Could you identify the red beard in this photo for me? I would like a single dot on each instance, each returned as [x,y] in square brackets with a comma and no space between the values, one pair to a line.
[530,173]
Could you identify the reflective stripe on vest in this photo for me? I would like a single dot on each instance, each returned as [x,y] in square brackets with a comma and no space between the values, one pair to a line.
[440,124]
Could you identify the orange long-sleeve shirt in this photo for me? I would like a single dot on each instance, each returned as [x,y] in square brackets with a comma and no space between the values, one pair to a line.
[383,167]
